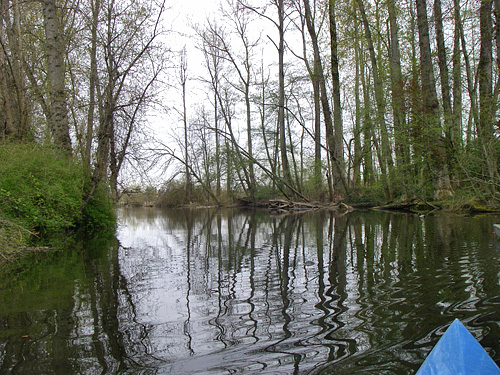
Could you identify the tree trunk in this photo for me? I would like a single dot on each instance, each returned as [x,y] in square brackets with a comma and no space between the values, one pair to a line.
[339,184]
[431,126]
[368,170]
[485,129]
[107,104]
[358,157]
[15,114]
[456,131]
[497,40]
[217,144]
[339,167]
[8,128]
[314,76]
[386,164]
[317,128]
[183,81]
[401,144]
[54,37]
[281,95]
[486,100]
[445,84]
[443,68]
[469,74]
[262,111]
[93,81]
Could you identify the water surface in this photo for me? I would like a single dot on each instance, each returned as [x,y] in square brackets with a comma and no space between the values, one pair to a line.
[224,292]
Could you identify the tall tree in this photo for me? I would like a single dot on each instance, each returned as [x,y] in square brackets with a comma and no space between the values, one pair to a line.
[128,72]
[339,176]
[471,83]
[369,139]
[486,100]
[15,105]
[358,154]
[313,72]
[183,81]
[456,130]
[484,71]
[337,173]
[398,96]
[445,84]
[215,50]
[280,6]
[431,131]
[385,158]
[443,67]
[95,7]
[56,52]
[239,18]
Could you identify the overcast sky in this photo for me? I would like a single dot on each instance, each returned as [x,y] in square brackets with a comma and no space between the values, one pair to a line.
[180,16]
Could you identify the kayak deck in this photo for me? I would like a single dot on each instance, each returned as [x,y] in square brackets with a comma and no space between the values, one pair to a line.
[458,352]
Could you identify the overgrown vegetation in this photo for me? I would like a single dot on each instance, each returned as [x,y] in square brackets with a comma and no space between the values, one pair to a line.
[42,196]
[40,187]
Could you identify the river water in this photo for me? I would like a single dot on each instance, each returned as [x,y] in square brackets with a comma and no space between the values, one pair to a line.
[229,292]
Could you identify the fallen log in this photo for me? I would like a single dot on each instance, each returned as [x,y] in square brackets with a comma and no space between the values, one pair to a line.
[281,205]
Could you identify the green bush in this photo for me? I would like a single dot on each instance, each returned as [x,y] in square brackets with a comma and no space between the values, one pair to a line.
[367,195]
[40,188]
[99,210]
[43,189]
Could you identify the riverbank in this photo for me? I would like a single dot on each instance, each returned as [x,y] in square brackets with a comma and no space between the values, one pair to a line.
[458,203]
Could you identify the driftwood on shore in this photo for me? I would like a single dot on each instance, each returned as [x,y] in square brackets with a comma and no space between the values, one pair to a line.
[281,205]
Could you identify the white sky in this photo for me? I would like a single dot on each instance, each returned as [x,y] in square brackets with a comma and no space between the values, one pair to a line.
[181,16]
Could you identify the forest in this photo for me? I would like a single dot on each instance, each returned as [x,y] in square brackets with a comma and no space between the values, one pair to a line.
[360,101]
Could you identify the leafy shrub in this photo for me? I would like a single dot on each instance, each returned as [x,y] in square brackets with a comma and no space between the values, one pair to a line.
[40,187]
[266,192]
[367,195]
[99,210]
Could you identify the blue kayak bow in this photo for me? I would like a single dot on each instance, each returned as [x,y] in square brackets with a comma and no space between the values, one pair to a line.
[458,353]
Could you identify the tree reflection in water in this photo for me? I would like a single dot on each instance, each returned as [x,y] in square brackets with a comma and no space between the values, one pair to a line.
[214,292]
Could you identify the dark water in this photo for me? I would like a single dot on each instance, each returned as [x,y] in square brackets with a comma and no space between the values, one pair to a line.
[224,292]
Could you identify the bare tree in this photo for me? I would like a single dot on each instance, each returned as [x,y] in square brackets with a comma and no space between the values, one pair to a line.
[279,5]
[129,70]
[183,80]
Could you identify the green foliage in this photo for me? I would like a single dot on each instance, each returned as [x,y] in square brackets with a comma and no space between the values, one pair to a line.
[42,192]
[99,211]
[40,188]
[266,192]
[367,195]
[314,189]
